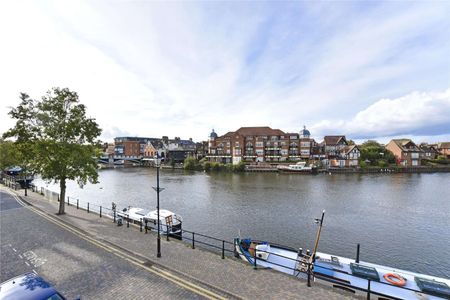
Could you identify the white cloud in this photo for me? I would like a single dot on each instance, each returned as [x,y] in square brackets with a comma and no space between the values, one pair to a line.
[417,113]
[179,69]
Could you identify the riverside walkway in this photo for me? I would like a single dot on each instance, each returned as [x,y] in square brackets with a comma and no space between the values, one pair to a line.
[194,269]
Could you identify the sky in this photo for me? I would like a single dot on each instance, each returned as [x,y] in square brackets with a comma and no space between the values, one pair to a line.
[364,69]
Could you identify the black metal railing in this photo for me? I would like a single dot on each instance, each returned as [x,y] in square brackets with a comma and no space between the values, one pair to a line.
[223,247]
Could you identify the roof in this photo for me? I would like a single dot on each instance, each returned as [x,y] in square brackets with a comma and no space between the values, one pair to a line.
[333,139]
[26,286]
[428,148]
[442,145]
[213,134]
[246,131]
[348,149]
[406,145]
[305,131]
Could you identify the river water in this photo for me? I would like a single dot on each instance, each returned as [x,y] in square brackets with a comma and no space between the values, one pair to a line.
[400,220]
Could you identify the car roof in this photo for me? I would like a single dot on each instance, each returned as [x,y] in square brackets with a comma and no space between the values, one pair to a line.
[28,286]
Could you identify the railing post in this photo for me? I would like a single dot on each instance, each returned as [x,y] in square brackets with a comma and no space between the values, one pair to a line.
[254,258]
[309,274]
[368,289]
[100,211]
[223,249]
[77,203]
[88,208]
[193,240]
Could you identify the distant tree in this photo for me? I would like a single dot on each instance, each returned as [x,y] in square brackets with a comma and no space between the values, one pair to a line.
[350,142]
[57,139]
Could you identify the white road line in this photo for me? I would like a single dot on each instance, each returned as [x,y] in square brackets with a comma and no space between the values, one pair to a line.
[27,264]
[20,256]
[14,250]
[34,271]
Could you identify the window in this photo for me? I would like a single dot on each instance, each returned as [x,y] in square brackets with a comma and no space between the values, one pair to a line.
[293,137]
[305,144]
[259,152]
[236,144]
[259,144]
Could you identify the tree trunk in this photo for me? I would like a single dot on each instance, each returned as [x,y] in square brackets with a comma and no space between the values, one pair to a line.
[62,196]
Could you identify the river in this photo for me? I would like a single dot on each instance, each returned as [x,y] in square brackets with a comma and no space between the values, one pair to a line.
[400,220]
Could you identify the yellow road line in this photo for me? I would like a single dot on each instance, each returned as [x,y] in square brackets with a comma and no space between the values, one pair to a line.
[157,271]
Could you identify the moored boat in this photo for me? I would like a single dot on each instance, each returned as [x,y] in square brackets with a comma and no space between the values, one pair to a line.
[347,274]
[170,223]
[344,273]
[299,167]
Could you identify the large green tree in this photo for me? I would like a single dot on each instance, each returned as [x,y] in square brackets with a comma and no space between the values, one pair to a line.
[375,153]
[8,154]
[56,138]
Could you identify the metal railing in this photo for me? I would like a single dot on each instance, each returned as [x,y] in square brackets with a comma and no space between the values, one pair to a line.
[223,246]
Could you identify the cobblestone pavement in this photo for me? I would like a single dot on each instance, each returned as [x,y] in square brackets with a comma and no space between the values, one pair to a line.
[230,276]
[75,266]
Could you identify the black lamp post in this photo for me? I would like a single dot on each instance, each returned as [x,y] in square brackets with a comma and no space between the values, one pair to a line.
[158,189]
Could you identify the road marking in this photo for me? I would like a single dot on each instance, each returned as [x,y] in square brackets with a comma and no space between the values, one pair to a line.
[135,261]
[27,263]
[14,250]
[20,256]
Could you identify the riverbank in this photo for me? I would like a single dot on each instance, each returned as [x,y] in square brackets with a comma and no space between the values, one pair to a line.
[227,277]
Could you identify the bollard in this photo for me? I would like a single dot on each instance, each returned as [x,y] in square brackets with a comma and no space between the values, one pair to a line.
[77,203]
[68,201]
[146,221]
[114,216]
[193,240]
[100,211]
[140,226]
[88,208]
[223,249]
[167,232]
[128,220]
[368,289]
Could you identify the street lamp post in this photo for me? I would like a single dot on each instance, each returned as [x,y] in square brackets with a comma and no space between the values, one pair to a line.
[158,189]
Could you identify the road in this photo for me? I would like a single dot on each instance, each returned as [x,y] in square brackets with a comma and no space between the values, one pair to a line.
[74,265]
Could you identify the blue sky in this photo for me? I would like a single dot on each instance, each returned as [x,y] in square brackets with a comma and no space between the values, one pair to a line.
[363,69]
